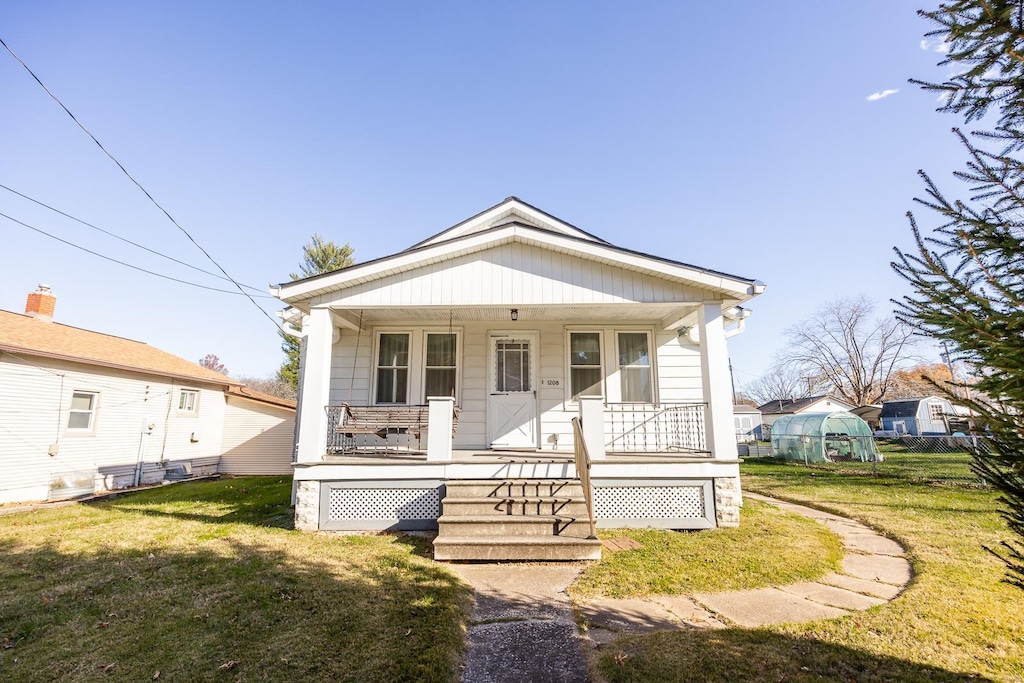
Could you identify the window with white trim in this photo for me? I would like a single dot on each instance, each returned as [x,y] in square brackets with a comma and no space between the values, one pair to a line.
[935,411]
[392,368]
[635,367]
[188,401]
[585,369]
[82,416]
[440,364]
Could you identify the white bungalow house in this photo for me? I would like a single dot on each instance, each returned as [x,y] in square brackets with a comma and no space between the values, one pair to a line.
[508,325]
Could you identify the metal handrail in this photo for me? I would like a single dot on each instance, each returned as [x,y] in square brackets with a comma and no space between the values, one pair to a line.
[582,457]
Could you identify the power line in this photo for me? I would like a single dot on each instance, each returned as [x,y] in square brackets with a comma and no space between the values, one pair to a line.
[129,265]
[136,182]
[123,239]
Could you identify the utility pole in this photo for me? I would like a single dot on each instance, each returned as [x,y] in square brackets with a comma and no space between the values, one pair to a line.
[732,379]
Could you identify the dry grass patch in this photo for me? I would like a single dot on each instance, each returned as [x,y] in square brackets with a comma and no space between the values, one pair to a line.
[201,581]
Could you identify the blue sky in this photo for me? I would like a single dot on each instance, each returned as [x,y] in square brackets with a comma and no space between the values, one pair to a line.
[736,137]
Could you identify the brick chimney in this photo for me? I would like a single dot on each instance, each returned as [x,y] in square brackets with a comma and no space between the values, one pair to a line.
[41,303]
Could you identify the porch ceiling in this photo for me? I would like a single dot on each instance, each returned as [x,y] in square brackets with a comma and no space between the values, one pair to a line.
[663,312]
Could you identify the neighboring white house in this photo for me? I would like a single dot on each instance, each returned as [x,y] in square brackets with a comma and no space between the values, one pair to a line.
[523,322]
[773,410]
[748,423]
[82,411]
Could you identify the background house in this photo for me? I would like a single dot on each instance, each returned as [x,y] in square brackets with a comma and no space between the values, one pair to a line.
[920,416]
[82,411]
[773,410]
[748,423]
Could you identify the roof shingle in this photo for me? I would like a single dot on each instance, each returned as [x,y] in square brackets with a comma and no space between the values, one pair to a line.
[23,334]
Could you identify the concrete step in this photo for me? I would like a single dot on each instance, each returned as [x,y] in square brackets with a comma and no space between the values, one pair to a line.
[513,525]
[538,548]
[470,488]
[528,505]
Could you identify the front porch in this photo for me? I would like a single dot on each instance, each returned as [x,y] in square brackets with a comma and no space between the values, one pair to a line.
[396,485]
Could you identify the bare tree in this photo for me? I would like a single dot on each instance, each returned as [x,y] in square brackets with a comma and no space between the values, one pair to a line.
[850,350]
[781,382]
[275,386]
[212,361]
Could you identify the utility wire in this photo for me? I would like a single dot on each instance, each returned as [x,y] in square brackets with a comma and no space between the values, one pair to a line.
[125,239]
[129,265]
[137,183]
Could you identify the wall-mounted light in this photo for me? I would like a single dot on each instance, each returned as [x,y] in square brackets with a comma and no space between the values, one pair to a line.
[515,314]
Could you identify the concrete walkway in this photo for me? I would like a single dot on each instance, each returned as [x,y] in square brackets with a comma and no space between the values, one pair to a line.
[523,627]
[874,571]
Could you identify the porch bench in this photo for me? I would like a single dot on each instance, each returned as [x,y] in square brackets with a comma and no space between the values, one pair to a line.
[384,420]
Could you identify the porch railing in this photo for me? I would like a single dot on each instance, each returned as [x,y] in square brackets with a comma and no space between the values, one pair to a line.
[583,472]
[656,428]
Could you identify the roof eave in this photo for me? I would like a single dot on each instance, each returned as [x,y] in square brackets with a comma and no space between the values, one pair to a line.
[18,350]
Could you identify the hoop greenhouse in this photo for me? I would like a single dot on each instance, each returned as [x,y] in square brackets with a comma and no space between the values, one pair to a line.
[823,437]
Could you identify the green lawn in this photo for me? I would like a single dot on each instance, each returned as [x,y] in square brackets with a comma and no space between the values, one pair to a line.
[957,621]
[205,581]
[771,547]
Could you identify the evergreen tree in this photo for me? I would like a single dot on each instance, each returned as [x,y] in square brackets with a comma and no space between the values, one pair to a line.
[319,256]
[967,275]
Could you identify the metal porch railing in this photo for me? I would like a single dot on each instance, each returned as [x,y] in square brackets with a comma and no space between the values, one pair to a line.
[656,428]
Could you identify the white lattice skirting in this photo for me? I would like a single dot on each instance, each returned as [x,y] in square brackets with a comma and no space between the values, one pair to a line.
[380,506]
[675,506]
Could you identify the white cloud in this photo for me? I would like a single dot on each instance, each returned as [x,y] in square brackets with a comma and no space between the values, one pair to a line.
[940,46]
[874,97]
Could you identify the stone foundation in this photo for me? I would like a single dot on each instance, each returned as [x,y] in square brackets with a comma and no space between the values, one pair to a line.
[728,501]
[307,506]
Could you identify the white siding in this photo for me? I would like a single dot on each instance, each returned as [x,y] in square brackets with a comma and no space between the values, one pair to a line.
[676,363]
[35,397]
[258,438]
[516,274]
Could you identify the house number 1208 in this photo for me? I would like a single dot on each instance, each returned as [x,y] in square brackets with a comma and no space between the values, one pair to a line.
[552,382]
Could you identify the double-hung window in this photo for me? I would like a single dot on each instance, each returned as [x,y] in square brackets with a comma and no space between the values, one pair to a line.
[635,367]
[440,368]
[82,417]
[585,364]
[188,401]
[393,368]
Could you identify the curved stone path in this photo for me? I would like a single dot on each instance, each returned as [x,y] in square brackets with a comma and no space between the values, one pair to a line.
[874,571]
[523,627]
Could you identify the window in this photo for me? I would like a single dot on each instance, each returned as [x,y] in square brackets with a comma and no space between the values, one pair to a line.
[512,365]
[82,416]
[585,364]
[440,371]
[635,367]
[935,411]
[393,368]
[188,400]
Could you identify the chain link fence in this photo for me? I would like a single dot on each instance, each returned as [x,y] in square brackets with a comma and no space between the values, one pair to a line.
[939,460]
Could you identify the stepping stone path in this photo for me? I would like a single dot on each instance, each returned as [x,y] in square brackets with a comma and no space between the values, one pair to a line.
[522,627]
[875,570]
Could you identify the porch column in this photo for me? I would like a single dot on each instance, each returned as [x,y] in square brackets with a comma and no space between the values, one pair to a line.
[439,428]
[316,385]
[592,417]
[714,366]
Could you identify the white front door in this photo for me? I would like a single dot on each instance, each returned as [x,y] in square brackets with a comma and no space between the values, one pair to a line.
[512,394]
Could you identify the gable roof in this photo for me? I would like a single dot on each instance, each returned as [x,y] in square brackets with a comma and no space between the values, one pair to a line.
[511,210]
[24,335]
[795,405]
[461,240]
